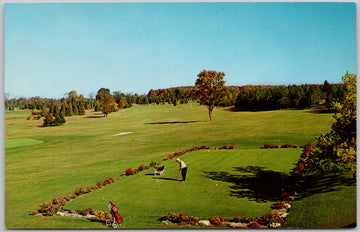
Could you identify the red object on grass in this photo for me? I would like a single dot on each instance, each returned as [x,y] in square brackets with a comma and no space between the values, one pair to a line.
[114,211]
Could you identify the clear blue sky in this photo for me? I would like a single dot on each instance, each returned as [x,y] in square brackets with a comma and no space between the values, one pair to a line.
[51,49]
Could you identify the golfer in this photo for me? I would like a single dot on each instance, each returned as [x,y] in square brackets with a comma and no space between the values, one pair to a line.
[183,169]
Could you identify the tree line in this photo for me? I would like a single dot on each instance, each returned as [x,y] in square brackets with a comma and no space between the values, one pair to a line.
[242,97]
[253,98]
[259,98]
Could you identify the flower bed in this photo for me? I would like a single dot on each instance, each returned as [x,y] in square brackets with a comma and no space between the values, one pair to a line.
[130,171]
[272,146]
[273,219]
[56,205]
[195,148]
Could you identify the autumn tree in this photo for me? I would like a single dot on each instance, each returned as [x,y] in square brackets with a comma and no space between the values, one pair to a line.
[210,89]
[102,91]
[106,104]
[337,148]
[122,103]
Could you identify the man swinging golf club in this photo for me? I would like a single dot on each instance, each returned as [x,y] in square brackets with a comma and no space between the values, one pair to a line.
[183,169]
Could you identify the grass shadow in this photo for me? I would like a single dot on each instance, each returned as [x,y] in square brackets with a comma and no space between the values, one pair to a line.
[165,178]
[173,122]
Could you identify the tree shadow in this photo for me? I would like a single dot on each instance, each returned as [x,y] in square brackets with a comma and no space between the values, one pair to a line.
[173,122]
[260,185]
[323,183]
[95,116]
[321,111]
[256,183]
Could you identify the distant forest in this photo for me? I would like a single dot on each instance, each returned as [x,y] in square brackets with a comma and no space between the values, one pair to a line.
[246,98]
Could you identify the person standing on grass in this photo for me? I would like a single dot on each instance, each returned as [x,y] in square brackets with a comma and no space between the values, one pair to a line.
[183,169]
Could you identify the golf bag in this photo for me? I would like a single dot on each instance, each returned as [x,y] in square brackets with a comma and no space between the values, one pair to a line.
[117,218]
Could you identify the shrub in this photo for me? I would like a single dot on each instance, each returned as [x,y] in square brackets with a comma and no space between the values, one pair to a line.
[36,112]
[129,172]
[153,164]
[204,147]
[236,219]
[286,146]
[284,196]
[180,219]
[111,180]
[278,205]
[79,192]
[61,201]
[34,212]
[48,209]
[100,215]
[270,146]
[141,167]
[254,225]
[86,211]
[215,221]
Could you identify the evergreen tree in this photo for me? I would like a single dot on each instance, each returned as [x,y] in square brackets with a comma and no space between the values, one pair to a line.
[44,111]
[62,113]
[48,120]
[97,106]
[75,109]
[81,109]
[69,109]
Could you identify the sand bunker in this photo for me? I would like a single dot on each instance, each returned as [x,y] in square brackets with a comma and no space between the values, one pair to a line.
[124,133]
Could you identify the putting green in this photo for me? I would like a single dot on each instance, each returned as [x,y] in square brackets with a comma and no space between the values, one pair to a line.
[19,142]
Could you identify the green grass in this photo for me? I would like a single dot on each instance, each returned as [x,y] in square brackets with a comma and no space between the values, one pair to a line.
[83,152]
[18,142]
[325,201]
[214,187]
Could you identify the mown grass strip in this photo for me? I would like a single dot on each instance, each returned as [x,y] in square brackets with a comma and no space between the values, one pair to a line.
[19,142]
